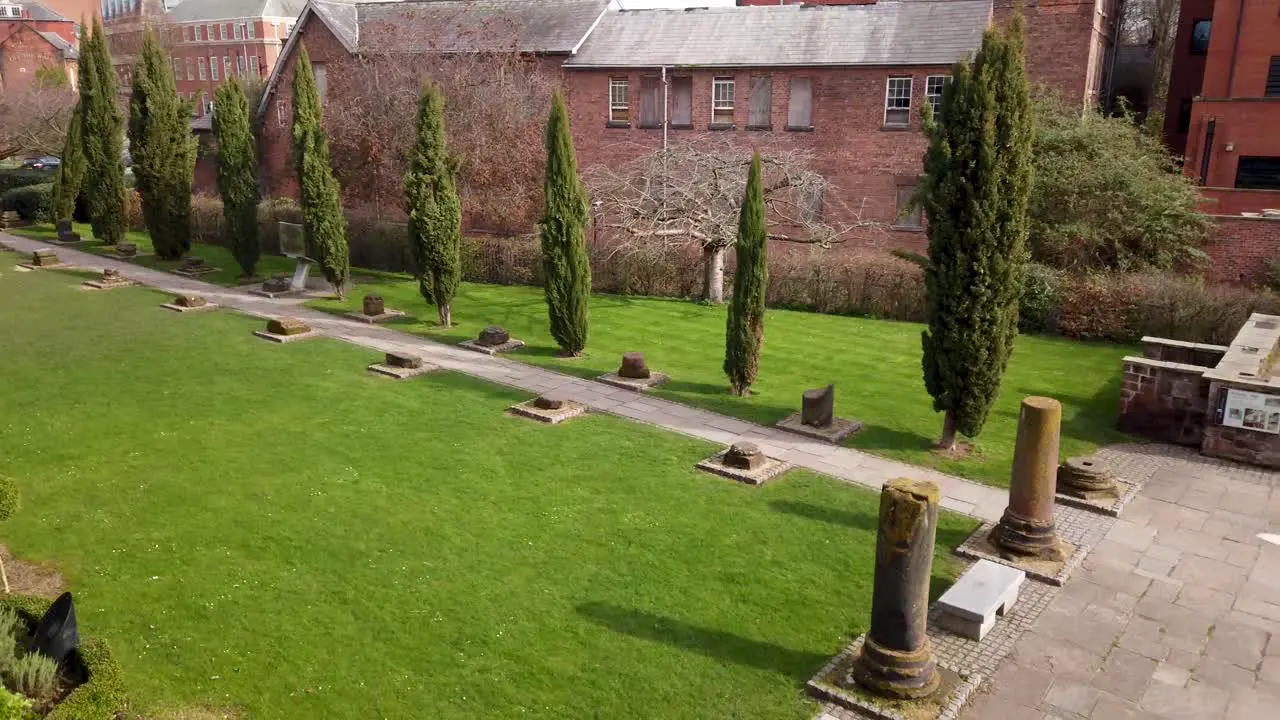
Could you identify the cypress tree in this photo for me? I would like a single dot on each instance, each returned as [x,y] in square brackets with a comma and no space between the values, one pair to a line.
[237,177]
[163,149]
[103,137]
[435,213]
[744,331]
[565,266]
[977,176]
[68,180]
[323,225]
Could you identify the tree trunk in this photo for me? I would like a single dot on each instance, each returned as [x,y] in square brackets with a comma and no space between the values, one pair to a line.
[446,314]
[948,439]
[713,274]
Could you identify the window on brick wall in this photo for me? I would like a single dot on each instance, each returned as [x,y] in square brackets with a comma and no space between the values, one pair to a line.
[650,101]
[1258,173]
[682,102]
[239,32]
[322,81]
[800,112]
[1273,77]
[907,219]
[253,31]
[226,31]
[208,32]
[226,66]
[761,115]
[203,70]
[619,100]
[1200,32]
[897,102]
[240,60]
[722,98]
[213,67]
[933,87]
[253,66]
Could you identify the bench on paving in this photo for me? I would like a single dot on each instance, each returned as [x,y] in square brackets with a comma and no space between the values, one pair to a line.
[969,608]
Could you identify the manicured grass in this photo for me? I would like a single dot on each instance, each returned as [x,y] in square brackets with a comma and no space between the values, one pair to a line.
[271,528]
[215,255]
[875,365]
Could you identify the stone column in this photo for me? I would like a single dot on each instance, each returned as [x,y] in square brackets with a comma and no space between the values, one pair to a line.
[897,659]
[1027,525]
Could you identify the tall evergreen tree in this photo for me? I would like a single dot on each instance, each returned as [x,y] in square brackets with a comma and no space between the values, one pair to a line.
[237,178]
[163,149]
[975,190]
[435,213]
[68,180]
[102,125]
[565,266]
[323,225]
[744,331]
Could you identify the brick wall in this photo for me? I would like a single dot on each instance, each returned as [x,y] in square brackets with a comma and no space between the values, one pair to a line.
[1240,247]
[1186,353]
[22,54]
[1163,401]
[1066,45]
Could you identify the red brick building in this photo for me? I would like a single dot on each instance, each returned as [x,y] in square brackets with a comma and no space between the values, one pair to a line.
[34,41]
[1224,101]
[845,81]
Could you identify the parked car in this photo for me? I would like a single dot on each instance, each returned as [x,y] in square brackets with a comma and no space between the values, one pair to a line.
[45,162]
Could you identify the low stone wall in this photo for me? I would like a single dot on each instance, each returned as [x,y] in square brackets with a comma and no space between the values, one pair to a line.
[1164,401]
[1177,351]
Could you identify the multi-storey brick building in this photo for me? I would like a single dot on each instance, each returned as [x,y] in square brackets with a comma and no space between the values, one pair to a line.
[35,40]
[1224,101]
[843,80]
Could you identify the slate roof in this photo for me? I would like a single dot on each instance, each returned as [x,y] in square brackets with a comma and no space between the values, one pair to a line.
[39,12]
[56,40]
[202,10]
[533,26]
[886,33]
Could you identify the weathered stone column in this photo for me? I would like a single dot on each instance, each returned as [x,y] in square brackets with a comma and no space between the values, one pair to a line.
[896,659]
[1027,525]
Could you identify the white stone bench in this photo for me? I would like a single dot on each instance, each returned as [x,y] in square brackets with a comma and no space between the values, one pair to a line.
[985,590]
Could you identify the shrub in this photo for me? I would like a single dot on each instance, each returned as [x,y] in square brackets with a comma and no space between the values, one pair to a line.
[14,707]
[1271,278]
[10,179]
[34,675]
[33,203]
[133,216]
[1041,305]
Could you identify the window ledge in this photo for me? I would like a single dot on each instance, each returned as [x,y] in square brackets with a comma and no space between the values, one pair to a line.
[760,127]
[650,126]
[722,126]
[681,127]
[799,128]
[907,228]
[894,128]
[617,124]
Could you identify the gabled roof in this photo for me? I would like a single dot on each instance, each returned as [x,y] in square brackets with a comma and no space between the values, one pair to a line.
[56,40]
[39,12]
[888,32]
[203,10]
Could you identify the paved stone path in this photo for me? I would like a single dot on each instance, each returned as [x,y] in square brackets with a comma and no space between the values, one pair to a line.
[1176,614]
[849,465]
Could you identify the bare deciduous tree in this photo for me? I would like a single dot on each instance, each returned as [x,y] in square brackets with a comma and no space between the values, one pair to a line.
[691,193]
[35,119]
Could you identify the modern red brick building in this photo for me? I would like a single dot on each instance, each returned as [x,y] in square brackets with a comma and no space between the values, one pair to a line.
[33,41]
[843,80]
[1224,101]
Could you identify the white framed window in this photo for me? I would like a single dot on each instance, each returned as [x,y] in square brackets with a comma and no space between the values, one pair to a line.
[933,86]
[226,31]
[177,68]
[203,71]
[897,101]
[226,66]
[252,31]
[208,32]
[722,95]
[189,76]
[15,11]
[240,65]
[321,73]
[213,67]
[619,100]
[239,31]
[253,66]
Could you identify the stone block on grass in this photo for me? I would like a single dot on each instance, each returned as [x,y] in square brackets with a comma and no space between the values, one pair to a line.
[189,303]
[816,418]
[744,462]
[550,409]
[633,374]
[111,278]
[491,341]
[401,366]
[374,310]
[283,330]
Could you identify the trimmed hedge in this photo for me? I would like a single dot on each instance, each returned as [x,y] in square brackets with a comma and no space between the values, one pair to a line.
[10,179]
[102,697]
[34,203]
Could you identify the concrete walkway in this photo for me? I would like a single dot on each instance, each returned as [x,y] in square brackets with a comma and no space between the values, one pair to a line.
[849,465]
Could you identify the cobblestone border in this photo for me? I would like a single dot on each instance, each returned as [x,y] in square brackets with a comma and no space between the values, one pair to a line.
[771,469]
[286,338]
[184,308]
[507,346]
[1127,491]
[375,319]
[840,429]
[819,686]
[197,272]
[272,295]
[101,285]
[978,547]
[401,373]
[638,384]
[527,409]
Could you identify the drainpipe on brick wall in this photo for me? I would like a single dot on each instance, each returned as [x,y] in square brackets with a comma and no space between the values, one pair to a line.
[666,111]
[1207,151]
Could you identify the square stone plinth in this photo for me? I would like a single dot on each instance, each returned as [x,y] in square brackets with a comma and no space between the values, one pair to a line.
[401,373]
[769,470]
[1107,502]
[273,294]
[273,337]
[106,284]
[832,683]
[507,346]
[568,410]
[839,429]
[375,319]
[183,308]
[978,546]
[197,271]
[68,239]
[33,266]
[638,384]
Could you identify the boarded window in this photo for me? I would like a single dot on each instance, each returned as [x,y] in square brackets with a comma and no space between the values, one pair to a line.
[800,114]
[322,81]
[761,102]
[682,102]
[907,218]
[650,101]
[1258,173]
[1273,77]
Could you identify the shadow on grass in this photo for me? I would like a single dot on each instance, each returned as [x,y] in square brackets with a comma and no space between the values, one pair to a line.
[879,437]
[715,644]
[835,516]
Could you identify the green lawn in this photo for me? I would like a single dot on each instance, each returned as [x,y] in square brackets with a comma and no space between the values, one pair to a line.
[270,528]
[875,365]
[215,255]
